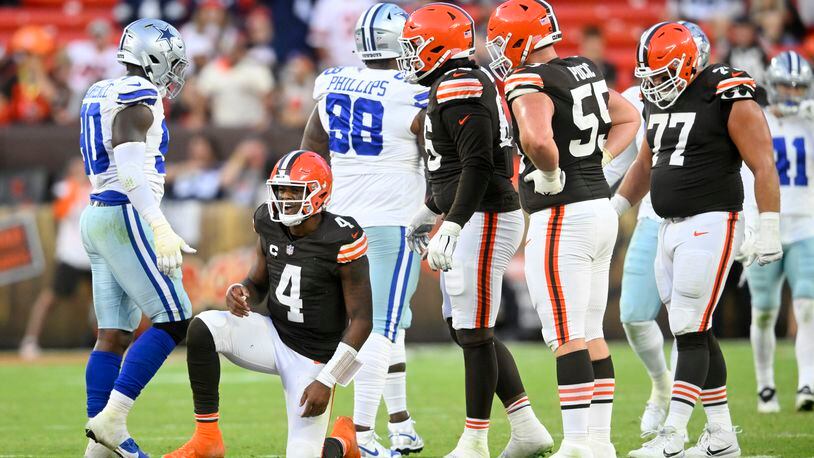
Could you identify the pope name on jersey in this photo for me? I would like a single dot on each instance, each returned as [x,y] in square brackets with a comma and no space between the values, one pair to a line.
[581,121]
[449,147]
[696,166]
[305,298]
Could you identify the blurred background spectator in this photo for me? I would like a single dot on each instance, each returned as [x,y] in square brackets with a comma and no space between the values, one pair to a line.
[592,46]
[198,176]
[331,33]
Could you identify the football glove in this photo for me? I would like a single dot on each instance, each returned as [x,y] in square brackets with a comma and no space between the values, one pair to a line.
[418,232]
[606,157]
[547,183]
[442,246]
[768,248]
[746,252]
[168,247]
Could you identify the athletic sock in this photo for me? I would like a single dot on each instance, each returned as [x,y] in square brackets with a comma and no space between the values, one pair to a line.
[143,360]
[476,430]
[690,375]
[599,424]
[522,420]
[575,380]
[368,385]
[761,333]
[647,342]
[804,343]
[395,387]
[509,384]
[100,375]
[119,403]
[203,366]
[334,447]
[480,366]
[713,396]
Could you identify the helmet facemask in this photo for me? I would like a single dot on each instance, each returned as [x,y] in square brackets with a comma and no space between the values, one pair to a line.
[290,201]
[500,65]
[173,81]
[663,86]
[410,63]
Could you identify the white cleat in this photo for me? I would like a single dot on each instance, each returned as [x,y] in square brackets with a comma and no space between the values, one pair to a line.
[369,446]
[602,448]
[538,443]
[97,450]
[653,417]
[668,443]
[767,401]
[110,430]
[404,438]
[572,449]
[805,399]
[715,441]
[469,449]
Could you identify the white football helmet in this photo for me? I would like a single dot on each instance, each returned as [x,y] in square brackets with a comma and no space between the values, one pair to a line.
[158,49]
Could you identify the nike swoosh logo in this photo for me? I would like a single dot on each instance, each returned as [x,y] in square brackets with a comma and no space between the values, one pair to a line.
[412,438]
[355,234]
[712,452]
[696,233]
[670,455]
[369,452]
[134,84]
[737,74]
[455,75]
[463,120]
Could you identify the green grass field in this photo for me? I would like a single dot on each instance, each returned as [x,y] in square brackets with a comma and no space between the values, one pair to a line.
[42,405]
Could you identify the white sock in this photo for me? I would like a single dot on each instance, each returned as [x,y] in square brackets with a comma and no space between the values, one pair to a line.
[395,387]
[761,333]
[522,419]
[601,410]
[716,407]
[119,403]
[476,431]
[684,397]
[804,344]
[647,341]
[368,384]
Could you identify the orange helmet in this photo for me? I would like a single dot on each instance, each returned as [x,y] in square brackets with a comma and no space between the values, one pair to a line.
[299,187]
[667,61]
[432,35]
[516,28]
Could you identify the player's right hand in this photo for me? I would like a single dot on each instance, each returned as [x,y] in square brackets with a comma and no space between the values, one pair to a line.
[768,248]
[168,247]
[418,232]
[746,252]
[547,183]
[237,300]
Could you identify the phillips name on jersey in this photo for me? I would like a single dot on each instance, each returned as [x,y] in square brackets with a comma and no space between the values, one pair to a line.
[696,166]
[581,123]
[305,298]
[464,85]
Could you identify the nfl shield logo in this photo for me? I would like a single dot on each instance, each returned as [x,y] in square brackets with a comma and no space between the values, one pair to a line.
[289,250]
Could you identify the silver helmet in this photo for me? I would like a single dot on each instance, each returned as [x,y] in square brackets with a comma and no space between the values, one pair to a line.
[701,42]
[791,70]
[377,32]
[158,49]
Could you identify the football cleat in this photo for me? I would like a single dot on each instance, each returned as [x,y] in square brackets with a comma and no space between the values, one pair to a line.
[653,417]
[200,446]
[602,448]
[531,445]
[805,399]
[404,438]
[715,441]
[110,430]
[573,449]
[369,446]
[668,443]
[468,448]
[345,433]
[767,401]
[97,450]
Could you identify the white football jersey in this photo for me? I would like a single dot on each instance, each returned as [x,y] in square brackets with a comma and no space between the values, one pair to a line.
[619,165]
[794,156]
[378,171]
[99,107]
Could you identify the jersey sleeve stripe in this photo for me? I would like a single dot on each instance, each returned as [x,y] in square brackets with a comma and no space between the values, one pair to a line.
[137,95]
[458,95]
[459,83]
[352,251]
[733,82]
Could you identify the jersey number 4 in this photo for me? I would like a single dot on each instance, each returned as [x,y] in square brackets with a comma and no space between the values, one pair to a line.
[663,121]
[288,292]
[356,124]
[784,164]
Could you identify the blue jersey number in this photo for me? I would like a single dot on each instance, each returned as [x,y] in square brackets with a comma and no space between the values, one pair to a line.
[90,140]
[354,124]
[783,163]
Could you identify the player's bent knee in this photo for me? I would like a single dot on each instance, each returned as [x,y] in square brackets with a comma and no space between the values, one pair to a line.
[764,319]
[176,329]
[682,320]
[475,337]
[199,335]
[113,340]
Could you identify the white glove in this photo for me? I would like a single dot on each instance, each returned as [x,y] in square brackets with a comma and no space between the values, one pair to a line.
[547,183]
[746,252]
[418,232]
[606,157]
[806,109]
[442,246]
[767,246]
[620,204]
[168,247]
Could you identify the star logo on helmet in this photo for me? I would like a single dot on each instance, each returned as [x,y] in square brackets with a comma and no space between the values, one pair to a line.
[166,34]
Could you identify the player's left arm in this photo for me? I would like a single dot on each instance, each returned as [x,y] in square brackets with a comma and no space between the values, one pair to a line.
[625,122]
[749,131]
[315,138]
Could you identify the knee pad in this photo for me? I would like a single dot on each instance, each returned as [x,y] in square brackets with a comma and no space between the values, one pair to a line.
[692,341]
[470,338]
[804,310]
[176,329]
[764,319]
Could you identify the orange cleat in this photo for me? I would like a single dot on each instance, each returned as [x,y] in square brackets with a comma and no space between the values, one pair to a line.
[345,431]
[207,444]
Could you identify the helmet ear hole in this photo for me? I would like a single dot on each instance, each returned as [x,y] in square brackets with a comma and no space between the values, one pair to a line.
[437,49]
[518,43]
[154,59]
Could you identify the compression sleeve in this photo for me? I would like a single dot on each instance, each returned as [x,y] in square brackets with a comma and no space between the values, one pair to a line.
[470,125]
[130,159]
